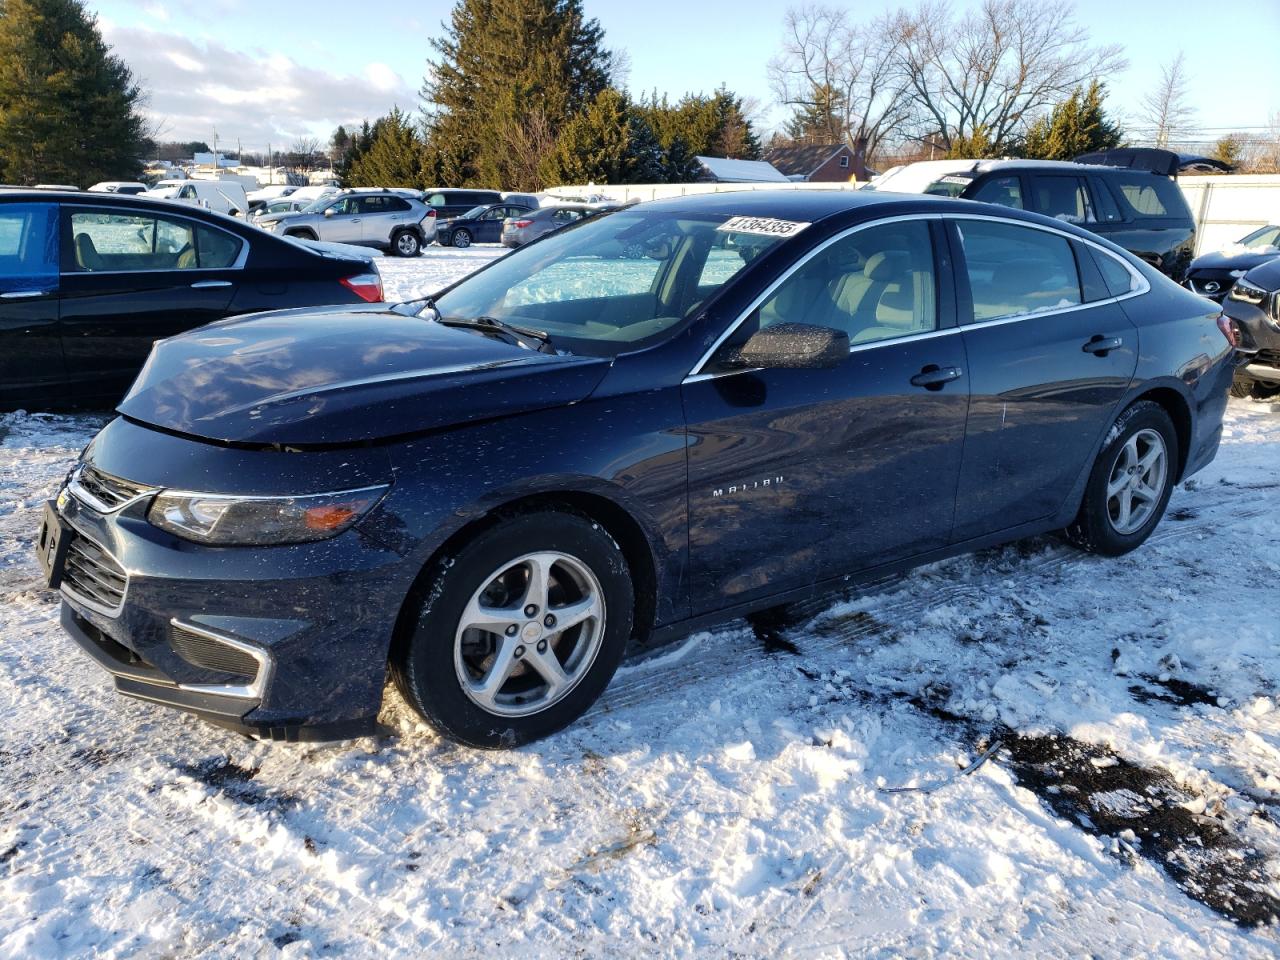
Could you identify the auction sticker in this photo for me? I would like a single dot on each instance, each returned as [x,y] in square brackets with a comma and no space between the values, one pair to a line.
[763,226]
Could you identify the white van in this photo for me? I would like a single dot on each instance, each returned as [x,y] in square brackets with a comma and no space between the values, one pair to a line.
[221,196]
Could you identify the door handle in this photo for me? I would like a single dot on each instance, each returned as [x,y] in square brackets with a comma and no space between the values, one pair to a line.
[933,377]
[1101,346]
[355,219]
[210,284]
[22,294]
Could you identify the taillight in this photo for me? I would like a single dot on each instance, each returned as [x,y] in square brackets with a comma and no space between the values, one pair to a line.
[366,286]
[431,212]
[522,223]
[1228,330]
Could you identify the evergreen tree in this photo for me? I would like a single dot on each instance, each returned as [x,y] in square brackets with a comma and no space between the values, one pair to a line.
[1077,125]
[1229,150]
[734,136]
[509,74]
[608,143]
[69,109]
[818,119]
[976,146]
[394,157]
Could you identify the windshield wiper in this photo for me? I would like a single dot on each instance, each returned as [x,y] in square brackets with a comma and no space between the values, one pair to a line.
[413,308]
[521,336]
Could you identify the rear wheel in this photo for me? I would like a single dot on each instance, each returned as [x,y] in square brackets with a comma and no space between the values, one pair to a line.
[1130,484]
[406,244]
[462,238]
[519,632]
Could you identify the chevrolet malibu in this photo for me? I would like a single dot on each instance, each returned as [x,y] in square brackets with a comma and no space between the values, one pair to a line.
[644,424]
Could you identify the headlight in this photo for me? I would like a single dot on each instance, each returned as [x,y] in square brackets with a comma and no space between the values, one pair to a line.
[1247,292]
[261,521]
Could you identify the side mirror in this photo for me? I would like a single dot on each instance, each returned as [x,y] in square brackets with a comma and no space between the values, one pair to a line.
[795,346]
[328,211]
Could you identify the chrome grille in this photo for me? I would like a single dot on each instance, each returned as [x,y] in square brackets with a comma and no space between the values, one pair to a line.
[102,491]
[92,577]
[203,650]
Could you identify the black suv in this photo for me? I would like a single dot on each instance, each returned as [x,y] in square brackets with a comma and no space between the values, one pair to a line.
[449,202]
[1128,195]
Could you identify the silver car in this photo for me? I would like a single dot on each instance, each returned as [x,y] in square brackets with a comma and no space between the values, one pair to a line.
[395,221]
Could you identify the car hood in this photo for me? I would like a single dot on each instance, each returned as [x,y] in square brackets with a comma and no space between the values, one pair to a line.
[1238,259]
[1266,275]
[341,376]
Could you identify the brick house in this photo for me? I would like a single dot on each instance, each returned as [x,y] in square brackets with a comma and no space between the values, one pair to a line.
[817,162]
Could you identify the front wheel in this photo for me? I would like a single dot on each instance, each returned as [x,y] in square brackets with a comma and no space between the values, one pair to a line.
[518,633]
[462,238]
[406,244]
[1130,484]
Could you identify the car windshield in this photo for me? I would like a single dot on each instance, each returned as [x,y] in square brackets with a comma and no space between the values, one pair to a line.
[1266,237]
[319,204]
[613,283]
[474,212]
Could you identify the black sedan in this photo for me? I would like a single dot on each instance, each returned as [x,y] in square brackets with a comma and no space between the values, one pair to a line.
[1253,310]
[643,424]
[88,281]
[1212,274]
[482,224]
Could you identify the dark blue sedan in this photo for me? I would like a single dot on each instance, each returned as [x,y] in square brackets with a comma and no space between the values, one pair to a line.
[638,426]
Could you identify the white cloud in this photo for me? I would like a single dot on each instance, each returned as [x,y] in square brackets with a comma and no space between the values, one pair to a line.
[258,97]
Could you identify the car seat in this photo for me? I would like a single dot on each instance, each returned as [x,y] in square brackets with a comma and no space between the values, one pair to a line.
[87,256]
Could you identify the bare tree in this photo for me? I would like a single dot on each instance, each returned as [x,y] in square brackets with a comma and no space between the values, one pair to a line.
[302,155]
[526,142]
[845,75]
[982,77]
[1165,110]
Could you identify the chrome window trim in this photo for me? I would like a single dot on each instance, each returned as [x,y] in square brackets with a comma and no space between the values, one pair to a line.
[249,691]
[1141,286]
[71,208]
[696,373]
[70,594]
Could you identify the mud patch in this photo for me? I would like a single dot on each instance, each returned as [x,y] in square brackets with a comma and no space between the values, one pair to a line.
[769,626]
[237,782]
[1148,815]
[1172,690]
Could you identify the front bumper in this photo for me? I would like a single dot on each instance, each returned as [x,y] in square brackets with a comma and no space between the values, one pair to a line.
[286,642]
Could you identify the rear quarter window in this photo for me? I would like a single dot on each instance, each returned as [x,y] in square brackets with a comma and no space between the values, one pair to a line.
[1151,196]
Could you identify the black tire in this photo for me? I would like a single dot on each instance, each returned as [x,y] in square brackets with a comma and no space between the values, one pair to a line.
[405,243]
[1242,387]
[1094,529]
[302,234]
[423,664]
[461,238]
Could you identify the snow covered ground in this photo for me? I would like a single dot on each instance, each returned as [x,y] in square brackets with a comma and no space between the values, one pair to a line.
[735,795]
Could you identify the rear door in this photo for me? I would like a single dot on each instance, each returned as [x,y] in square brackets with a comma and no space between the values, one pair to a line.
[1050,355]
[31,367]
[1062,197]
[801,475]
[131,277]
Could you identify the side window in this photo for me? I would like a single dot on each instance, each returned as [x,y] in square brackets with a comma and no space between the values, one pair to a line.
[216,250]
[126,242]
[495,213]
[1006,191]
[1015,270]
[1150,195]
[1063,198]
[28,247]
[373,205]
[874,284]
[1115,274]
[397,204]
[437,199]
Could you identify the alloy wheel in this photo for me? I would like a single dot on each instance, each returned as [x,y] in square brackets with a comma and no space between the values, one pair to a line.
[462,239]
[1137,481]
[529,634]
[407,245]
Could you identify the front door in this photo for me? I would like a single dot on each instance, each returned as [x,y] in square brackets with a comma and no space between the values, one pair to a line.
[343,221]
[800,475]
[1050,356]
[31,368]
[133,277]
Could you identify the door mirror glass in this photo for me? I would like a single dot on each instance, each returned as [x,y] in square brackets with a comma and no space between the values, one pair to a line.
[798,346]
[329,211]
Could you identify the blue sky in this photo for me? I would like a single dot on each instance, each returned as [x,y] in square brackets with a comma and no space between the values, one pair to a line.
[267,72]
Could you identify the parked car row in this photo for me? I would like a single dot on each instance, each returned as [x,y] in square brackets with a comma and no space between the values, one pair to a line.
[89,281]
[739,400]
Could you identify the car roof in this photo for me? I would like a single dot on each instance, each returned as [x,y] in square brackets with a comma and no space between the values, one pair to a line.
[128,200]
[799,205]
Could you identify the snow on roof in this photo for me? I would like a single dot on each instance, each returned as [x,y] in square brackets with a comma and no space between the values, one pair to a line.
[741,171]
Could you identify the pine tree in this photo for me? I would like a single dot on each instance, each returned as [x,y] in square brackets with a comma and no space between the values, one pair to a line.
[539,62]
[1077,125]
[818,119]
[394,157]
[1229,150]
[69,109]
[976,146]
[608,143]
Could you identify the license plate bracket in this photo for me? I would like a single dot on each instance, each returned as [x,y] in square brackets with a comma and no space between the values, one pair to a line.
[51,546]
